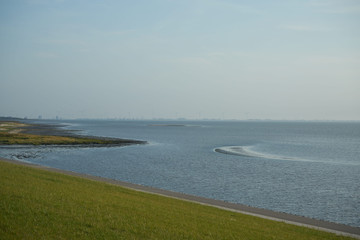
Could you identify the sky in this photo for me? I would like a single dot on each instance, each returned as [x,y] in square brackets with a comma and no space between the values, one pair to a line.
[195,59]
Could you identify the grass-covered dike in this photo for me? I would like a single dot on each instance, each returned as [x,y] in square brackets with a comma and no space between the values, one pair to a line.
[38,204]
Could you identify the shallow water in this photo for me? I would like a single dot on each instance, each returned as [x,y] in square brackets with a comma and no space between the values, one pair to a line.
[305,168]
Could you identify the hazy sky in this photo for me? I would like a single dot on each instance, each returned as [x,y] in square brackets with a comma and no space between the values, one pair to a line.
[290,59]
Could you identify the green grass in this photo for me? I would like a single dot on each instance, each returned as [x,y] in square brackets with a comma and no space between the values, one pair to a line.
[37,204]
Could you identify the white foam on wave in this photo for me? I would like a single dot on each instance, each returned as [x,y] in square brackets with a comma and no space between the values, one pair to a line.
[246,151]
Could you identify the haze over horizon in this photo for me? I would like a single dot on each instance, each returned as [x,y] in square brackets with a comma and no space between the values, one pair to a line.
[285,60]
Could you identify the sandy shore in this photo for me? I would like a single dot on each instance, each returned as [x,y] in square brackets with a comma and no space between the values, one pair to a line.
[263,213]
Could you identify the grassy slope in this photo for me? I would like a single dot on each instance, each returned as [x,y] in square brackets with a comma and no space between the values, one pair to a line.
[36,204]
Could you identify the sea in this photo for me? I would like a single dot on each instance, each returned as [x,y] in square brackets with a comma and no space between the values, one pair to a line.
[310,169]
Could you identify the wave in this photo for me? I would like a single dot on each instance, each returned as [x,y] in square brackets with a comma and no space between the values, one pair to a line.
[245,151]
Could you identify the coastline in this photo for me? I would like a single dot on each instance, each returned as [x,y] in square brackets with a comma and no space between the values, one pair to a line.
[54,130]
[336,228]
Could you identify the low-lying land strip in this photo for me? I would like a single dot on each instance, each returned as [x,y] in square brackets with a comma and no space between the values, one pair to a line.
[38,204]
[16,133]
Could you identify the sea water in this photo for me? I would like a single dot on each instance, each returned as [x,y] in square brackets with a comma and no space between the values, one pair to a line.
[310,169]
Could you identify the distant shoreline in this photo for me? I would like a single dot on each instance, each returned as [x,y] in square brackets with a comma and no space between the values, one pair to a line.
[69,137]
[167,125]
